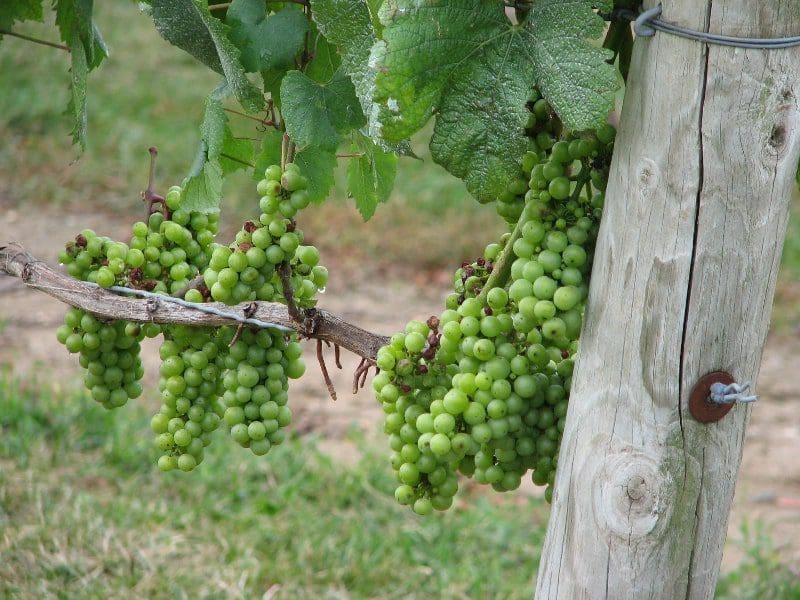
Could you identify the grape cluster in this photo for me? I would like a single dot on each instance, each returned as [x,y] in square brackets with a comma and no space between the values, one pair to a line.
[256,386]
[206,375]
[189,383]
[109,353]
[172,248]
[248,269]
[482,390]
[259,364]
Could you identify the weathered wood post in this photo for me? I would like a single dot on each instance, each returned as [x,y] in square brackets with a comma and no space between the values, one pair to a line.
[683,283]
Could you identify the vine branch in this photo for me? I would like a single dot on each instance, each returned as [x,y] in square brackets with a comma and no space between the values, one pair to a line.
[16,261]
[34,40]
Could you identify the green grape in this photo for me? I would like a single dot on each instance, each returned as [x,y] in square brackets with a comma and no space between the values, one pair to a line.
[497,367]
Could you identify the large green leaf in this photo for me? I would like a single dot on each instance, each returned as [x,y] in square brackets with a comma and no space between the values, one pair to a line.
[325,60]
[572,74]
[317,114]
[236,153]
[202,192]
[12,11]
[464,61]
[270,153]
[212,129]
[347,24]
[267,42]
[203,185]
[370,176]
[188,25]
[87,50]
[317,165]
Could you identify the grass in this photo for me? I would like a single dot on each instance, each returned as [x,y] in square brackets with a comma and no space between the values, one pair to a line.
[762,575]
[84,514]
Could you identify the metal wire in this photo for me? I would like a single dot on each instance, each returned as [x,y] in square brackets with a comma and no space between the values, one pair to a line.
[196,306]
[646,23]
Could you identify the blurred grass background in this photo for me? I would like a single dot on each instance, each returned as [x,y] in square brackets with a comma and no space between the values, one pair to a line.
[82,511]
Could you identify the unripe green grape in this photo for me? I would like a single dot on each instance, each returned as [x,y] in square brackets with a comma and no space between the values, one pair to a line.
[554,328]
[574,256]
[415,342]
[404,494]
[440,443]
[559,188]
[483,349]
[423,506]
[520,289]
[566,298]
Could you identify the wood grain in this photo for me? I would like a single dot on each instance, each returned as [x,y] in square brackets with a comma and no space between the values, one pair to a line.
[683,282]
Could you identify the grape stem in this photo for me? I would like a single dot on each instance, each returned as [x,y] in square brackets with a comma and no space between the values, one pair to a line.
[28,38]
[581,180]
[285,272]
[262,122]
[324,369]
[194,284]
[319,324]
[502,266]
[149,196]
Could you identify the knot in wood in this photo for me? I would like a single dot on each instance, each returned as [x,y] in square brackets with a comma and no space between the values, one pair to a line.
[151,306]
[648,176]
[636,487]
[628,501]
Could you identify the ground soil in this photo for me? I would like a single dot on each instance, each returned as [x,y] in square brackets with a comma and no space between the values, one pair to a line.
[768,488]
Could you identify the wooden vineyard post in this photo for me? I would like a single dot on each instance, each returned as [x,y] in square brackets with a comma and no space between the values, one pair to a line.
[683,281]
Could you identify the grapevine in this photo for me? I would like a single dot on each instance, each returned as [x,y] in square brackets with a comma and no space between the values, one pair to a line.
[478,391]
[482,389]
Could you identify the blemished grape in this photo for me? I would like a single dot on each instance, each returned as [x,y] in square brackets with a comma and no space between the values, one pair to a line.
[484,393]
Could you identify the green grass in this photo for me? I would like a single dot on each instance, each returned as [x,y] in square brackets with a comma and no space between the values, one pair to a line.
[84,514]
[762,574]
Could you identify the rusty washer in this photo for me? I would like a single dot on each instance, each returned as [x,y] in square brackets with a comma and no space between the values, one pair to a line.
[700,405]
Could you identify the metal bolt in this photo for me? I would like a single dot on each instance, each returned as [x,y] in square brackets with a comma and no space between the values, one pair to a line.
[728,394]
[714,395]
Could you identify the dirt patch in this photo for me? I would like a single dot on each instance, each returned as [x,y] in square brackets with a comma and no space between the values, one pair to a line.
[768,487]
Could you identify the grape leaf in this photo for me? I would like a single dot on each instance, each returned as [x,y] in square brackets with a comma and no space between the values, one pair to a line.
[270,153]
[235,154]
[326,60]
[188,25]
[370,177]
[203,191]
[467,63]
[347,24]
[571,73]
[20,10]
[87,50]
[374,7]
[316,114]
[212,129]
[76,107]
[267,42]
[317,165]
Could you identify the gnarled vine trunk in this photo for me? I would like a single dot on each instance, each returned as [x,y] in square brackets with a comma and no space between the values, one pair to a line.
[683,281]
